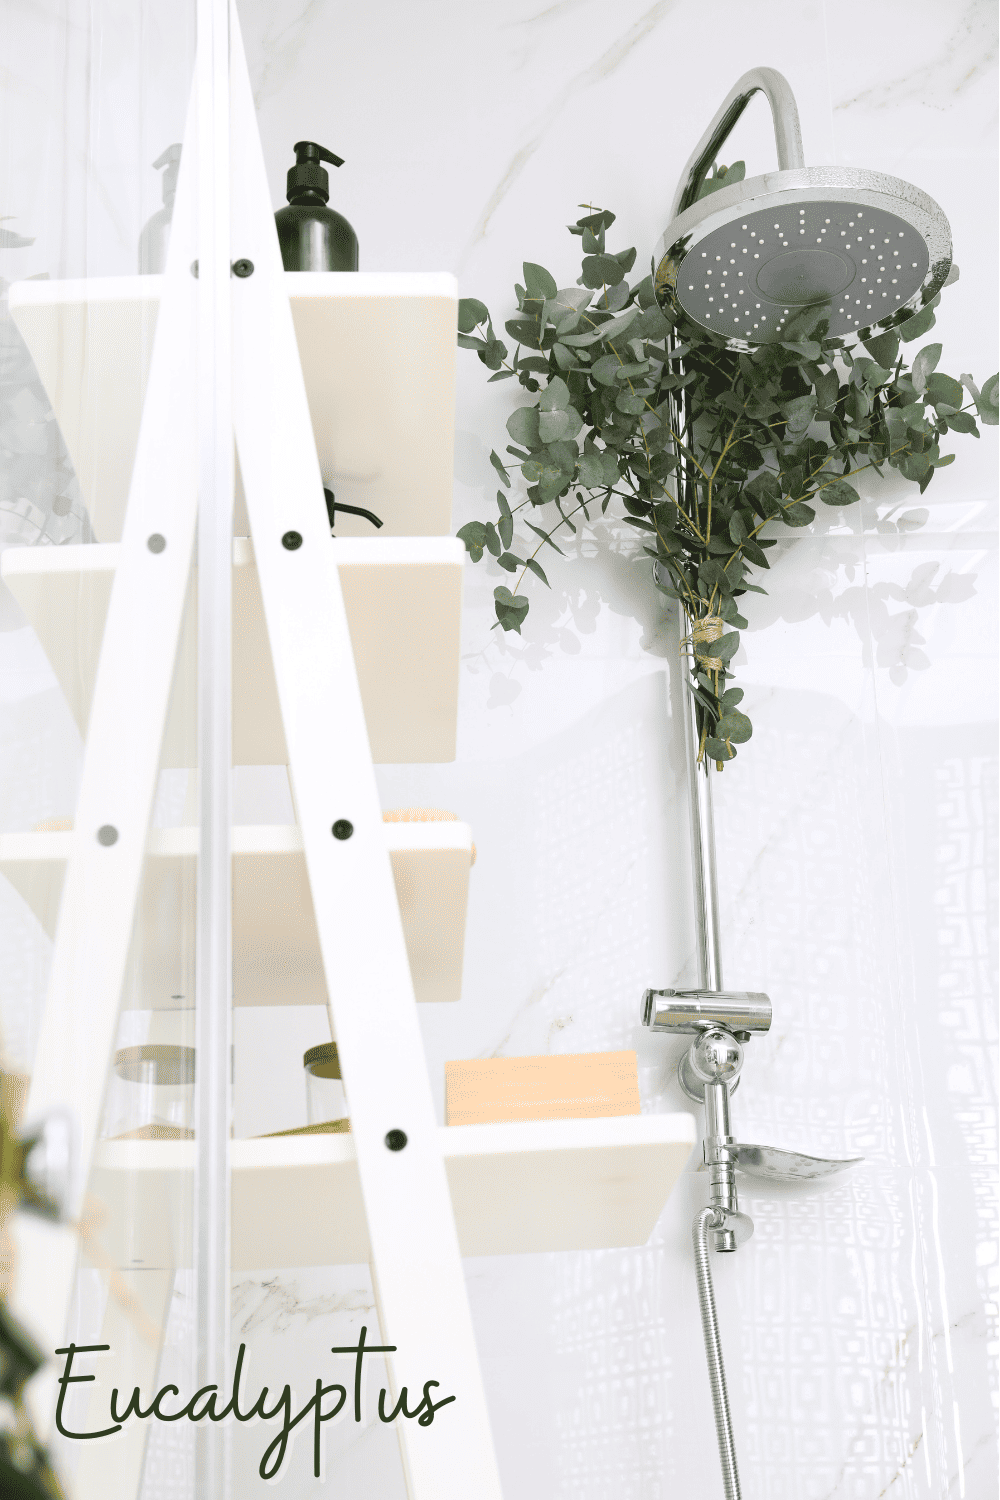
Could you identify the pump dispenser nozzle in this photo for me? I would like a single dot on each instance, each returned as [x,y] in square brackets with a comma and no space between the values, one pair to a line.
[308,182]
[171,159]
[312,236]
[156,231]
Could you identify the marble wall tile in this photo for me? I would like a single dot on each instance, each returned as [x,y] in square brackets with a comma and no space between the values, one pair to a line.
[853,830]
[857,831]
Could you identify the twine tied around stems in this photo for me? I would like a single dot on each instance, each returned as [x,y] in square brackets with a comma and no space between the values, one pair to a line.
[703,632]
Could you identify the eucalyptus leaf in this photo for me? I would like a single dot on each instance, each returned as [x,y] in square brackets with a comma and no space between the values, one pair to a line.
[471,313]
[494,354]
[601,270]
[839,492]
[917,324]
[941,388]
[555,397]
[723,649]
[721,177]
[632,372]
[545,536]
[523,426]
[497,463]
[915,465]
[884,349]
[924,364]
[566,359]
[591,473]
[828,389]
[734,726]
[553,425]
[806,348]
[473,534]
[538,282]
[612,472]
[614,298]
[618,325]
[799,413]
[875,376]
[567,323]
[986,400]
[605,370]
[582,340]
[630,404]
[510,610]
[575,297]
[525,331]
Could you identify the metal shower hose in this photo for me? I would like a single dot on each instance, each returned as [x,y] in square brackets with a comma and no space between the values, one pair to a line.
[706,1219]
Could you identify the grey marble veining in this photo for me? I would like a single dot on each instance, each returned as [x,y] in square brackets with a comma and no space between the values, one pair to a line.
[287,33]
[273,1304]
[601,69]
[965,54]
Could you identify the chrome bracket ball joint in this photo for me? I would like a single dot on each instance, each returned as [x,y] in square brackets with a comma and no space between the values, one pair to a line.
[721,1023]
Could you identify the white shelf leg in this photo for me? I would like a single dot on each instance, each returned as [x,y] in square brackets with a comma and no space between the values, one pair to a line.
[424,1307]
[117,787]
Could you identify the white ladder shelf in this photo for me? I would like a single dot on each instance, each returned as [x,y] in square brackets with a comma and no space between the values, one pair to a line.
[345,652]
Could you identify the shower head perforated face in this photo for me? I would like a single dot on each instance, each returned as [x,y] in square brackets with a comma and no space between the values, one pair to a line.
[859,250]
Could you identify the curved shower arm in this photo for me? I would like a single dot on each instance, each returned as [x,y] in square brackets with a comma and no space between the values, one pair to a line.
[787,132]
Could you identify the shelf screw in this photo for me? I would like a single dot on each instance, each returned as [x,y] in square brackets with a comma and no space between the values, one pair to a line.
[156,542]
[107,834]
[342,829]
[396,1140]
[242,268]
[291,540]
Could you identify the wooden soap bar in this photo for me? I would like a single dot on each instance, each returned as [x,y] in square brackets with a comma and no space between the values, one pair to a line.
[570,1086]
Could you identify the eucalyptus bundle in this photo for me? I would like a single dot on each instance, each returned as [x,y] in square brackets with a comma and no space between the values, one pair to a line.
[706,452]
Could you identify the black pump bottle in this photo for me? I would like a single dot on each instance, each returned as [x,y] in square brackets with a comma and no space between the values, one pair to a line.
[312,236]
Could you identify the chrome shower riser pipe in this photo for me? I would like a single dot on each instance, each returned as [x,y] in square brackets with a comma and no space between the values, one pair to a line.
[706,906]
[787,131]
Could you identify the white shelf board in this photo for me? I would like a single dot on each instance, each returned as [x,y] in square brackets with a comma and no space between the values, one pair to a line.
[378,357]
[403,597]
[276,958]
[516,1189]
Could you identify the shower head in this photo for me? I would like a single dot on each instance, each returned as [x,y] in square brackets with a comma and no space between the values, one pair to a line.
[771,257]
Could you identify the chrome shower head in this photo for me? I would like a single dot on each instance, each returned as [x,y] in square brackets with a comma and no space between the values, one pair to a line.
[772,257]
